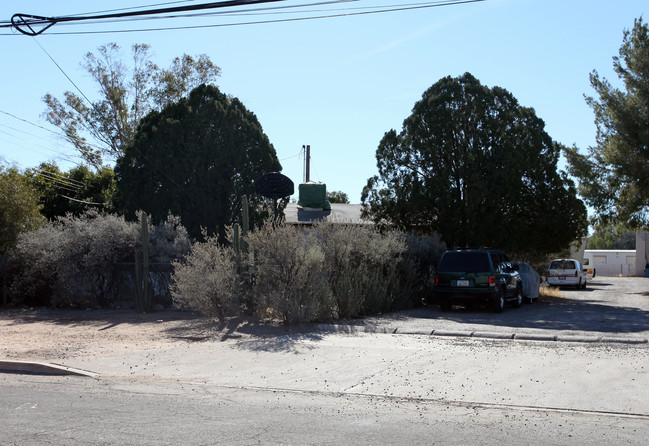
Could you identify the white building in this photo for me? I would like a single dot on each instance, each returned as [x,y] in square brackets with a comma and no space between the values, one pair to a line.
[612,262]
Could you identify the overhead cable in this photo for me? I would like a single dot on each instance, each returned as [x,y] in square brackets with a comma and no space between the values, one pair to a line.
[27,23]
[330,13]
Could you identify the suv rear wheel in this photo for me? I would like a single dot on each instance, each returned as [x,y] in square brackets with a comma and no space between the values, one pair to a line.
[498,303]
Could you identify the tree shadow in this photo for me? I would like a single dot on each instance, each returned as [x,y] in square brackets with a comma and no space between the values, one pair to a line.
[249,333]
[550,313]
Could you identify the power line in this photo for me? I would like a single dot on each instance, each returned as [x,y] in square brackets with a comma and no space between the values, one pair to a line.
[345,12]
[25,23]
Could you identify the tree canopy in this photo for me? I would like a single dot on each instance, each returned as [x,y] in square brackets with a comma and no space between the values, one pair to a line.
[613,175]
[477,168]
[76,191]
[128,92]
[19,208]
[337,196]
[196,158]
[612,237]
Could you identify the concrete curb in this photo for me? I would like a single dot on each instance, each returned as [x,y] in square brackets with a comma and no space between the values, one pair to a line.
[341,328]
[43,368]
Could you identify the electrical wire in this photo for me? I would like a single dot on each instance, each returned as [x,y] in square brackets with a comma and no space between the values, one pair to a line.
[342,12]
[24,23]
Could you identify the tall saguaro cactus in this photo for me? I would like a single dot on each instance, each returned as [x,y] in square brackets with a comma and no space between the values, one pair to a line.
[239,244]
[143,289]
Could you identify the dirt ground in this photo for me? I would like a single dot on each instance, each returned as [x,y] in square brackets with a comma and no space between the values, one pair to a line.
[55,334]
[44,334]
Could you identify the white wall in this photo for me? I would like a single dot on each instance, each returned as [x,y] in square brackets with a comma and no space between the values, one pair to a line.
[609,262]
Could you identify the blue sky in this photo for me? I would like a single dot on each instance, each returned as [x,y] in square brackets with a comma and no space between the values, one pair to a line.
[337,84]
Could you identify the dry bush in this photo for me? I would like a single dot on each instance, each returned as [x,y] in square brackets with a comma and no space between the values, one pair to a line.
[362,267]
[206,280]
[288,266]
[73,261]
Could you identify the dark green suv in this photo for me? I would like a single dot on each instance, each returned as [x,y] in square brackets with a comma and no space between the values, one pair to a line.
[468,276]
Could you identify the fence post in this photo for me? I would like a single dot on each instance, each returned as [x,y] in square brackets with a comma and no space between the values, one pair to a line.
[142,289]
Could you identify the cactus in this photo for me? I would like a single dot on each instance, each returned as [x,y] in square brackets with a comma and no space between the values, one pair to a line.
[245,223]
[239,232]
[143,289]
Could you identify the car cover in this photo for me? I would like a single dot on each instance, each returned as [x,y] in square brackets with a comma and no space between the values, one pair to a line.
[530,280]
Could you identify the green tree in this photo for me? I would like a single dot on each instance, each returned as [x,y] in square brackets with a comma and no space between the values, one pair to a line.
[337,197]
[128,92]
[477,168]
[612,237]
[196,158]
[75,191]
[613,175]
[19,208]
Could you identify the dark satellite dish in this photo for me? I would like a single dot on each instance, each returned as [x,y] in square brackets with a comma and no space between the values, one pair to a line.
[274,185]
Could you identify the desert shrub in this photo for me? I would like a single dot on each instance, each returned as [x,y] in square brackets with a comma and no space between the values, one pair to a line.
[168,242]
[417,268]
[206,280]
[73,261]
[288,267]
[73,258]
[362,267]
[305,274]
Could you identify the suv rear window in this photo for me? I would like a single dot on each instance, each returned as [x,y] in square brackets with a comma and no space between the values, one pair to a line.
[562,264]
[468,262]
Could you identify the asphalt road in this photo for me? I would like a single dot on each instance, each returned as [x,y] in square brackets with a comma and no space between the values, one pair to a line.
[39,410]
[370,386]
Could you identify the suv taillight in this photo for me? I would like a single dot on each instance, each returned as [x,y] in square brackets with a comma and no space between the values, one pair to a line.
[492,280]
[436,280]
[575,273]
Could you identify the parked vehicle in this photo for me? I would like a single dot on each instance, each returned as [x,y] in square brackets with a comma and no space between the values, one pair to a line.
[591,273]
[567,272]
[470,276]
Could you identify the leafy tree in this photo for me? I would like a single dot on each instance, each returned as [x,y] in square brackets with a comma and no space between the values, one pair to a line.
[337,197]
[612,237]
[477,168]
[196,158]
[127,94]
[613,175]
[19,208]
[73,192]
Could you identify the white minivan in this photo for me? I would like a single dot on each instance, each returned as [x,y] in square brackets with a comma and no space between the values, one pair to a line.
[567,272]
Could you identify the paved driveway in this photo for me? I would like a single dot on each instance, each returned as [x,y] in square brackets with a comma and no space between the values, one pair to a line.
[610,307]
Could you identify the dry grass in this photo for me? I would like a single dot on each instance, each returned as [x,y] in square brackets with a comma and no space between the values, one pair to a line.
[548,291]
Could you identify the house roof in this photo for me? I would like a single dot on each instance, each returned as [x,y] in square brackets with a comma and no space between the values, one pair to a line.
[339,213]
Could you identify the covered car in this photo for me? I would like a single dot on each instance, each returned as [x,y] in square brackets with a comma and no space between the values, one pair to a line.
[531,281]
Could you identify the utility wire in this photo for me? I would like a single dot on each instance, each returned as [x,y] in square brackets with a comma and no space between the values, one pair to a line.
[354,12]
[25,22]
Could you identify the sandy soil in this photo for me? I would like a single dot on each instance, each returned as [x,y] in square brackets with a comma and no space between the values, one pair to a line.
[28,334]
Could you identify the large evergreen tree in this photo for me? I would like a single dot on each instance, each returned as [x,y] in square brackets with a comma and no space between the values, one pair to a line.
[196,158]
[613,176]
[477,168]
